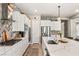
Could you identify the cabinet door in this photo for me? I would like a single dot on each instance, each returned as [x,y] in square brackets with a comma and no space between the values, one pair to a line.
[56,25]
[14,26]
[45,23]
[20,25]
[16,18]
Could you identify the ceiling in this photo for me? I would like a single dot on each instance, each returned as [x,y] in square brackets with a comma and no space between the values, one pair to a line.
[66,10]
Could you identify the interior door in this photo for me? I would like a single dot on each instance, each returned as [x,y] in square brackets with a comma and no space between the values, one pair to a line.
[36,30]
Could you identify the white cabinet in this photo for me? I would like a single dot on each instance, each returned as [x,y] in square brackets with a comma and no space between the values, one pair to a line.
[18,24]
[15,17]
[56,25]
[21,23]
[17,49]
[14,26]
[45,23]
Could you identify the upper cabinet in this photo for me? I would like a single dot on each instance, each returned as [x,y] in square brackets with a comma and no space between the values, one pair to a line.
[45,23]
[18,21]
[16,15]
[56,25]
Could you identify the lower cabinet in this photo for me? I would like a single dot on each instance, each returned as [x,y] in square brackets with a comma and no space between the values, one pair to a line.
[18,49]
[45,51]
[44,48]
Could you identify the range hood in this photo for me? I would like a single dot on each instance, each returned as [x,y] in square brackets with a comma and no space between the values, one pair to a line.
[4,11]
[5,22]
[4,18]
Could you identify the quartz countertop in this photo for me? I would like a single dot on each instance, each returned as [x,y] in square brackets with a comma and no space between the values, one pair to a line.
[16,49]
[62,49]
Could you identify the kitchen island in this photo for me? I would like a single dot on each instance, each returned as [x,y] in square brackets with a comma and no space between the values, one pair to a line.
[61,49]
[15,50]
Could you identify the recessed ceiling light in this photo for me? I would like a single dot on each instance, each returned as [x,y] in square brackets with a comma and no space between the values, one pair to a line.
[35,10]
[77,10]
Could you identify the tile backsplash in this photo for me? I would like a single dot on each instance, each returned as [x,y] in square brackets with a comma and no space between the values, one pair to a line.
[5,25]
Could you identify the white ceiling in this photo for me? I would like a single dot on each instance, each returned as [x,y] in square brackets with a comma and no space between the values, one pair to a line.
[67,9]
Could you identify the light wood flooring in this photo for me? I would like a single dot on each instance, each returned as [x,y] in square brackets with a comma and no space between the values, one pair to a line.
[34,50]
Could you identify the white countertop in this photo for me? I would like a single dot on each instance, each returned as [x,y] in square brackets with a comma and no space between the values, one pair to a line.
[62,49]
[16,49]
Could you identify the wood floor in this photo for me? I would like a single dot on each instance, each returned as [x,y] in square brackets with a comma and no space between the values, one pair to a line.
[34,50]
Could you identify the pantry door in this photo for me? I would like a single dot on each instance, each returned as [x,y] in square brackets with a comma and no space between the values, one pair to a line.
[36,31]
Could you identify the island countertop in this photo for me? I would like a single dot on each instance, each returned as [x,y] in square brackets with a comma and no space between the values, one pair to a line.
[62,49]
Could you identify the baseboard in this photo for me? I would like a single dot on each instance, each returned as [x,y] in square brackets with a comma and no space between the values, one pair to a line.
[35,43]
[30,43]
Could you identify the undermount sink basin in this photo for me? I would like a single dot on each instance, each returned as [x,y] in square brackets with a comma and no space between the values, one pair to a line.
[51,42]
[10,42]
[76,39]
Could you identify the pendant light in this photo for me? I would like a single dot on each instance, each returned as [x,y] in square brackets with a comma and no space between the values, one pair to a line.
[58,13]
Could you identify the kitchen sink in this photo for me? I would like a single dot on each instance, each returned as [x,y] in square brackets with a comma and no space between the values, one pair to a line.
[76,39]
[10,42]
[51,42]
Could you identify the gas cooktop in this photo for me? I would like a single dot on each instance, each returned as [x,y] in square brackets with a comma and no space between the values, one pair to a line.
[10,42]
